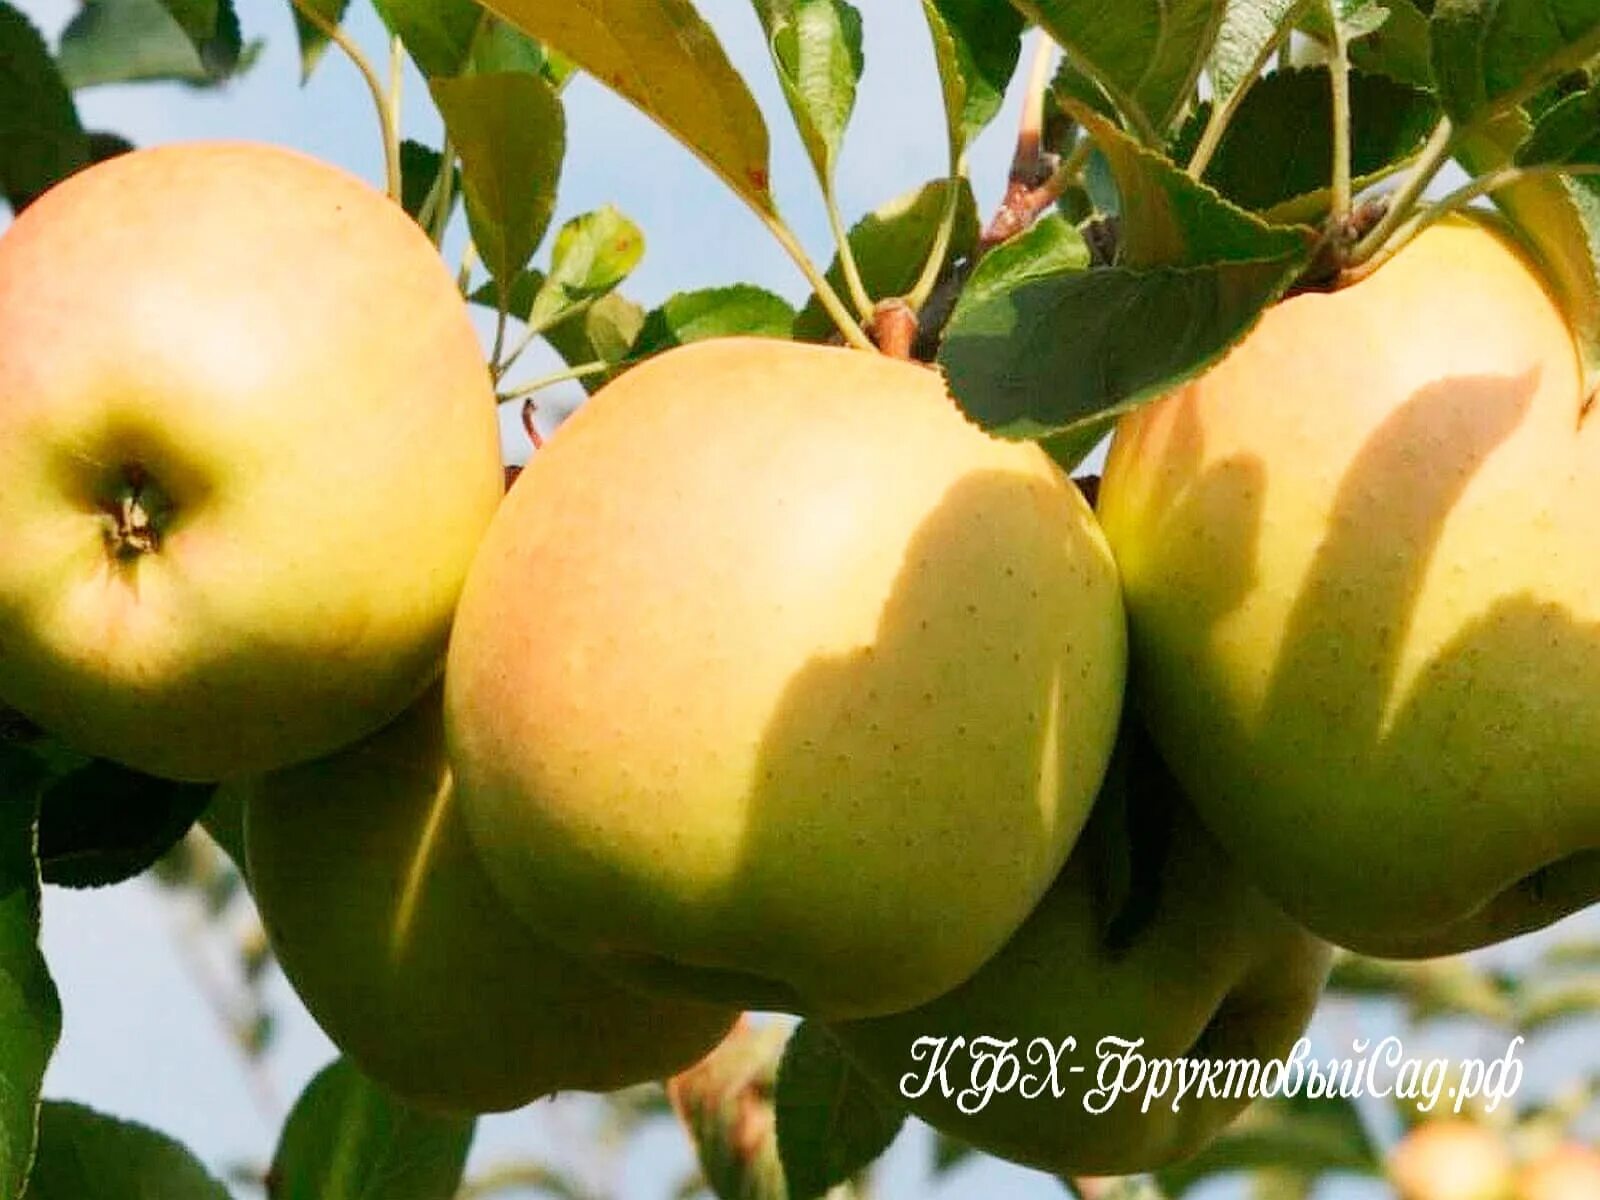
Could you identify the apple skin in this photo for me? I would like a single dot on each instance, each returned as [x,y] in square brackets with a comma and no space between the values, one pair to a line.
[384,923]
[1569,1172]
[273,356]
[771,663]
[1359,562]
[1188,956]
[1451,1159]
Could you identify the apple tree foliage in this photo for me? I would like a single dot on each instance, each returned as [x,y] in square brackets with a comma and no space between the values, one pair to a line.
[1187,165]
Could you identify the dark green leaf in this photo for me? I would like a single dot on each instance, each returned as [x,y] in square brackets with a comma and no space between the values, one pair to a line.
[438,34]
[1568,132]
[502,47]
[603,332]
[816,47]
[739,311]
[1401,47]
[1491,55]
[30,1011]
[1287,120]
[976,45]
[313,42]
[1251,30]
[348,1140]
[892,244]
[419,172]
[1146,55]
[1557,217]
[223,820]
[85,1155]
[661,56]
[41,141]
[832,1120]
[524,289]
[134,41]
[510,132]
[102,823]
[1298,1135]
[592,255]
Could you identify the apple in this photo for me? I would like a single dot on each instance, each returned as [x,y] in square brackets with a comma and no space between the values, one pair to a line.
[248,446]
[381,917]
[777,683]
[1149,935]
[1451,1159]
[1359,561]
[1569,1172]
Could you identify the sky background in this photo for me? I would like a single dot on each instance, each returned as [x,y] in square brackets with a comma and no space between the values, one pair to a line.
[139,1041]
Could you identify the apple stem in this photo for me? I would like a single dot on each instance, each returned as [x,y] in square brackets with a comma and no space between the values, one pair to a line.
[1429,163]
[1339,73]
[894,327]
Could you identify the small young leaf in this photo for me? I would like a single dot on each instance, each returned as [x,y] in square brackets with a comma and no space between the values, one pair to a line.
[725,1103]
[41,140]
[313,42]
[1287,120]
[85,1155]
[816,47]
[976,45]
[1557,217]
[438,34]
[1400,47]
[135,41]
[1250,31]
[419,172]
[1146,56]
[604,332]
[348,1140]
[1567,132]
[1491,55]
[30,1011]
[102,823]
[739,311]
[1051,247]
[832,1120]
[593,254]
[661,56]
[891,245]
[511,134]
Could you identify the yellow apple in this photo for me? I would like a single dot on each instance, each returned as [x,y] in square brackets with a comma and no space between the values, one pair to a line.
[247,448]
[1364,601]
[380,915]
[1150,946]
[1451,1159]
[776,682]
[1569,1172]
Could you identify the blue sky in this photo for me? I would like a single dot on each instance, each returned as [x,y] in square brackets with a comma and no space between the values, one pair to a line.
[139,1041]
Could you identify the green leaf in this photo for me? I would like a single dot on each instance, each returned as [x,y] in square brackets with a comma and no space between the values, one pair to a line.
[1568,132]
[816,47]
[1147,54]
[833,1122]
[1062,351]
[85,1155]
[522,293]
[510,132]
[1287,120]
[502,47]
[976,44]
[592,255]
[661,56]
[1401,47]
[739,311]
[313,42]
[30,1011]
[102,823]
[603,332]
[223,820]
[419,171]
[1557,218]
[1358,18]
[348,1140]
[891,245]
[438,34]
[136,41]
[41,139]
[1491,55]
[1250,31]
[1051,247]
[1299,1135]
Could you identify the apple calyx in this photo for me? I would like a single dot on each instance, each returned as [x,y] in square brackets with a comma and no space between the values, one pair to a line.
[136,510]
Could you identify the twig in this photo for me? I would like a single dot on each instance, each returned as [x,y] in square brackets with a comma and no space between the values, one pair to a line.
[391,140]
[1429,163]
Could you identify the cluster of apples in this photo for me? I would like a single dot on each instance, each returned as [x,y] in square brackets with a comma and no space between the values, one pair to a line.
[773,683]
